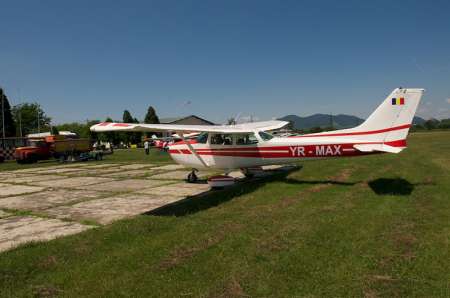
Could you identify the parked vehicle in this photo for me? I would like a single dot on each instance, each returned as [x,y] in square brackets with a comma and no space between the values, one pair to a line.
[54,146]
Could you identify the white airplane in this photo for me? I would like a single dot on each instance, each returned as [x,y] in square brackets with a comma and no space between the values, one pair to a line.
[246,146]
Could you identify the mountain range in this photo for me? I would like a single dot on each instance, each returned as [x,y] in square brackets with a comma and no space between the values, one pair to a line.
[324,120]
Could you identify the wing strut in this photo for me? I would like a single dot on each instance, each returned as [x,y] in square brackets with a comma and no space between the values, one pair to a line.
[192,149]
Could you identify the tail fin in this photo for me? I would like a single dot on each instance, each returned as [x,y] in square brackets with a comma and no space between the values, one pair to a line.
[393,118]
[386,129]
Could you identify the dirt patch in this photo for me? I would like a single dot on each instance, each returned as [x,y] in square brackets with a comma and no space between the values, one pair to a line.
[278,242]
[382,278]
[46,291]
[404,242]
[340,178]
[370,293]
[48,262]
[231,289]
[182,254]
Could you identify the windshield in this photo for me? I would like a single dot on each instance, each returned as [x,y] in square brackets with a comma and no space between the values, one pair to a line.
[265,136]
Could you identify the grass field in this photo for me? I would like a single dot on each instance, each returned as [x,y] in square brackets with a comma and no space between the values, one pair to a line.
[376,226]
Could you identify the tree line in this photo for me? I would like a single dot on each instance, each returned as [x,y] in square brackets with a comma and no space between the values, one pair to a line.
[23,119]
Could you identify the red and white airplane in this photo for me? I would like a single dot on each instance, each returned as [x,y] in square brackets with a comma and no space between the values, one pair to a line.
[246,146]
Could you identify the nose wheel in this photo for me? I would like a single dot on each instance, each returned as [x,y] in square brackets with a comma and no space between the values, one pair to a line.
[192,177]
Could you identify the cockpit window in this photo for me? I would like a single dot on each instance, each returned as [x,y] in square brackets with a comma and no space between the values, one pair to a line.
[221,139]
[265,136]
[202,138]
[246,139]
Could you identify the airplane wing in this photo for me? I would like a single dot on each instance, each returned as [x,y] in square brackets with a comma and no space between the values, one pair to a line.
[377,147]
[238,128]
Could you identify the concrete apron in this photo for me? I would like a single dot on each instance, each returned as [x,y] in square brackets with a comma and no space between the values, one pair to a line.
[60,202]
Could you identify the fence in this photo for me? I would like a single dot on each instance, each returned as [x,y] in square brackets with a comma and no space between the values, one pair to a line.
[9,145]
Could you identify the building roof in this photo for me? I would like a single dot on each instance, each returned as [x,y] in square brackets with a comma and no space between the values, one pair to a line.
[172,120]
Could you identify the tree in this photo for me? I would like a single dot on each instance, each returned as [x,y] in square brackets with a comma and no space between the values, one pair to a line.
[5,109]
[315,129]
[54,130]
[81,129]
[151,117]
[431,124]
[31,118]
[111,136]
[127,118]
[134,137]
[445,124]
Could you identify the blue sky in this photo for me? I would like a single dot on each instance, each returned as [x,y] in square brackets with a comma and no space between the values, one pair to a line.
[92,59]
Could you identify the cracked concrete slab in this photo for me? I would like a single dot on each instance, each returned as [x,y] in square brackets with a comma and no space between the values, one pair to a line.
[17,230]
[10,175]
[47,199]
[30,170]
[103,165]
[107,210]
[175,175]
[170,167]
[236,175]
[31,179]
[76,164]
[124,185]
[130,174]
[178,189]
[12,190]
[59,170]
[137,166]
[73,182]
[96,172]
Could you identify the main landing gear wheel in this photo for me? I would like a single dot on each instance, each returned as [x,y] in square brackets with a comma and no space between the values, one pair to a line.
[192,177]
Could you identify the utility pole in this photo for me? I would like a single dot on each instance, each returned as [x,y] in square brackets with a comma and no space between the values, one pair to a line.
[19,110]
[3,114]
[20,121]
[38,120]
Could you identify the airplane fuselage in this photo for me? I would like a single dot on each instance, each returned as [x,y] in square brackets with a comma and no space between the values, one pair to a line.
[275,151]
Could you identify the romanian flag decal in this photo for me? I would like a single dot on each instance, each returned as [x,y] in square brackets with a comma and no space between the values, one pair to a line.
[399,101]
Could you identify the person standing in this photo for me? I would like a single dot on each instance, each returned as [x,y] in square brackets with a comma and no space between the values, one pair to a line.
[146,147]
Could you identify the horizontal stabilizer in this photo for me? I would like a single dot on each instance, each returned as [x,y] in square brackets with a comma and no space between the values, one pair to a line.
[378,147]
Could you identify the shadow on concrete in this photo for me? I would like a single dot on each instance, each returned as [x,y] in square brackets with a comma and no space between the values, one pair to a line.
[214,198]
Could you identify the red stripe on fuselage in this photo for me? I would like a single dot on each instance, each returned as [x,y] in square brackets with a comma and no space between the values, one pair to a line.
[294,151]
[356,133]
